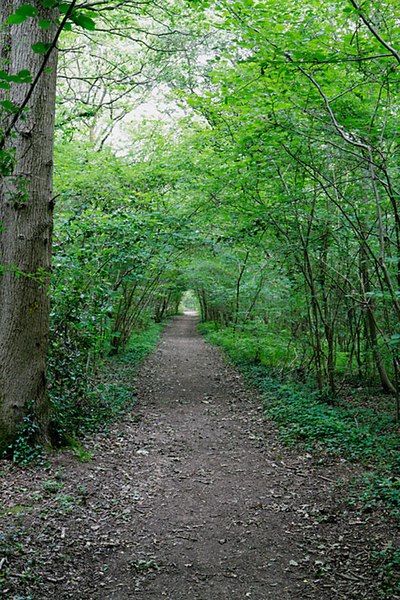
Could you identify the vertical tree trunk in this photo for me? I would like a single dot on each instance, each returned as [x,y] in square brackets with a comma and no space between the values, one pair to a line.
[26,229]
[328,319]
[314,320]
[370,322]
[242,269]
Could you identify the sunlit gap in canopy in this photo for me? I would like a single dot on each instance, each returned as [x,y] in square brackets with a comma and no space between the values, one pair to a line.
[189,304]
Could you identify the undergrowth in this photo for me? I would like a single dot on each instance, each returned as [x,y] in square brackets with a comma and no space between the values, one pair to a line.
[360,434]
[387,564]
[85,401]
[109,394]
[363,435]
[25,448]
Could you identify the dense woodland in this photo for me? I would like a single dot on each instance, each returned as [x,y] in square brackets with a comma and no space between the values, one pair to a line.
[241,157]
[236,157]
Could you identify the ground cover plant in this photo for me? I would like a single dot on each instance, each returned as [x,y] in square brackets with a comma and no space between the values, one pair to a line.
[336,426]
[367,436]
[83,403]
[240,157]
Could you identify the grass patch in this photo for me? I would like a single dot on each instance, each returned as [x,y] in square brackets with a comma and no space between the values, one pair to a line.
[248,345]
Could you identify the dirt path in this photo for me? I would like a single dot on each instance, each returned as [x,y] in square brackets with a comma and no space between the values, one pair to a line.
[191,498]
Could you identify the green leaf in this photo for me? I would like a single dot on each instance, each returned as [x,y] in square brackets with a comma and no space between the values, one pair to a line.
[49,3]
[9,106]
[84,21]
[394,340]
[21,77]
[27,10]
[67,27]
[40,48]
[15,19]
[43,24]
[63,8]
[4,85]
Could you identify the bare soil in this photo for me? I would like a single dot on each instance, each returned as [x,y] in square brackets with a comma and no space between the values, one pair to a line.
[192,497]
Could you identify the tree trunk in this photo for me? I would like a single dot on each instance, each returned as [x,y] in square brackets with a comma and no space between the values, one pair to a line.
[370,322]
[26,229]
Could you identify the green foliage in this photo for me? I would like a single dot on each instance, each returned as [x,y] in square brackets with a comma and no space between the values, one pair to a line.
[84,456]
[383,488]
[92,403]
[113,273]
[304,417]
[293,120]
[41,48]
[271,194]
[15,19]
[44,24]
[26,11]
[52,486]
[141,344]
[252,343]
[9,106]
[21,14]
[387,563]
[26,447]
[356,433]
[83,21]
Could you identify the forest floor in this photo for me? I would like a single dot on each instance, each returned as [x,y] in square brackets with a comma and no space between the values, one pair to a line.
[191,497]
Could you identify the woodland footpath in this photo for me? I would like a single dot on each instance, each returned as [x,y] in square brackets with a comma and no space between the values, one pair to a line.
[239,158]
[193,496]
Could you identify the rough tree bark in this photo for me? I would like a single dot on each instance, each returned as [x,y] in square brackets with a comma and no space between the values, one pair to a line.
[26,228]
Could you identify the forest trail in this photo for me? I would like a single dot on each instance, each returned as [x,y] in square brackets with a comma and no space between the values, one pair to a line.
[192,498]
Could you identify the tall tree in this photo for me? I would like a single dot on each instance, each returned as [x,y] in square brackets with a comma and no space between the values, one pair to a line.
[27,41]
[28,52]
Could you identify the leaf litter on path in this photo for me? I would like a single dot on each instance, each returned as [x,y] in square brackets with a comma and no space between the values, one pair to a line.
[191,497]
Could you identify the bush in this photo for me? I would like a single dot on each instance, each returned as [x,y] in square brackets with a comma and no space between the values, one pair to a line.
[83,404]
